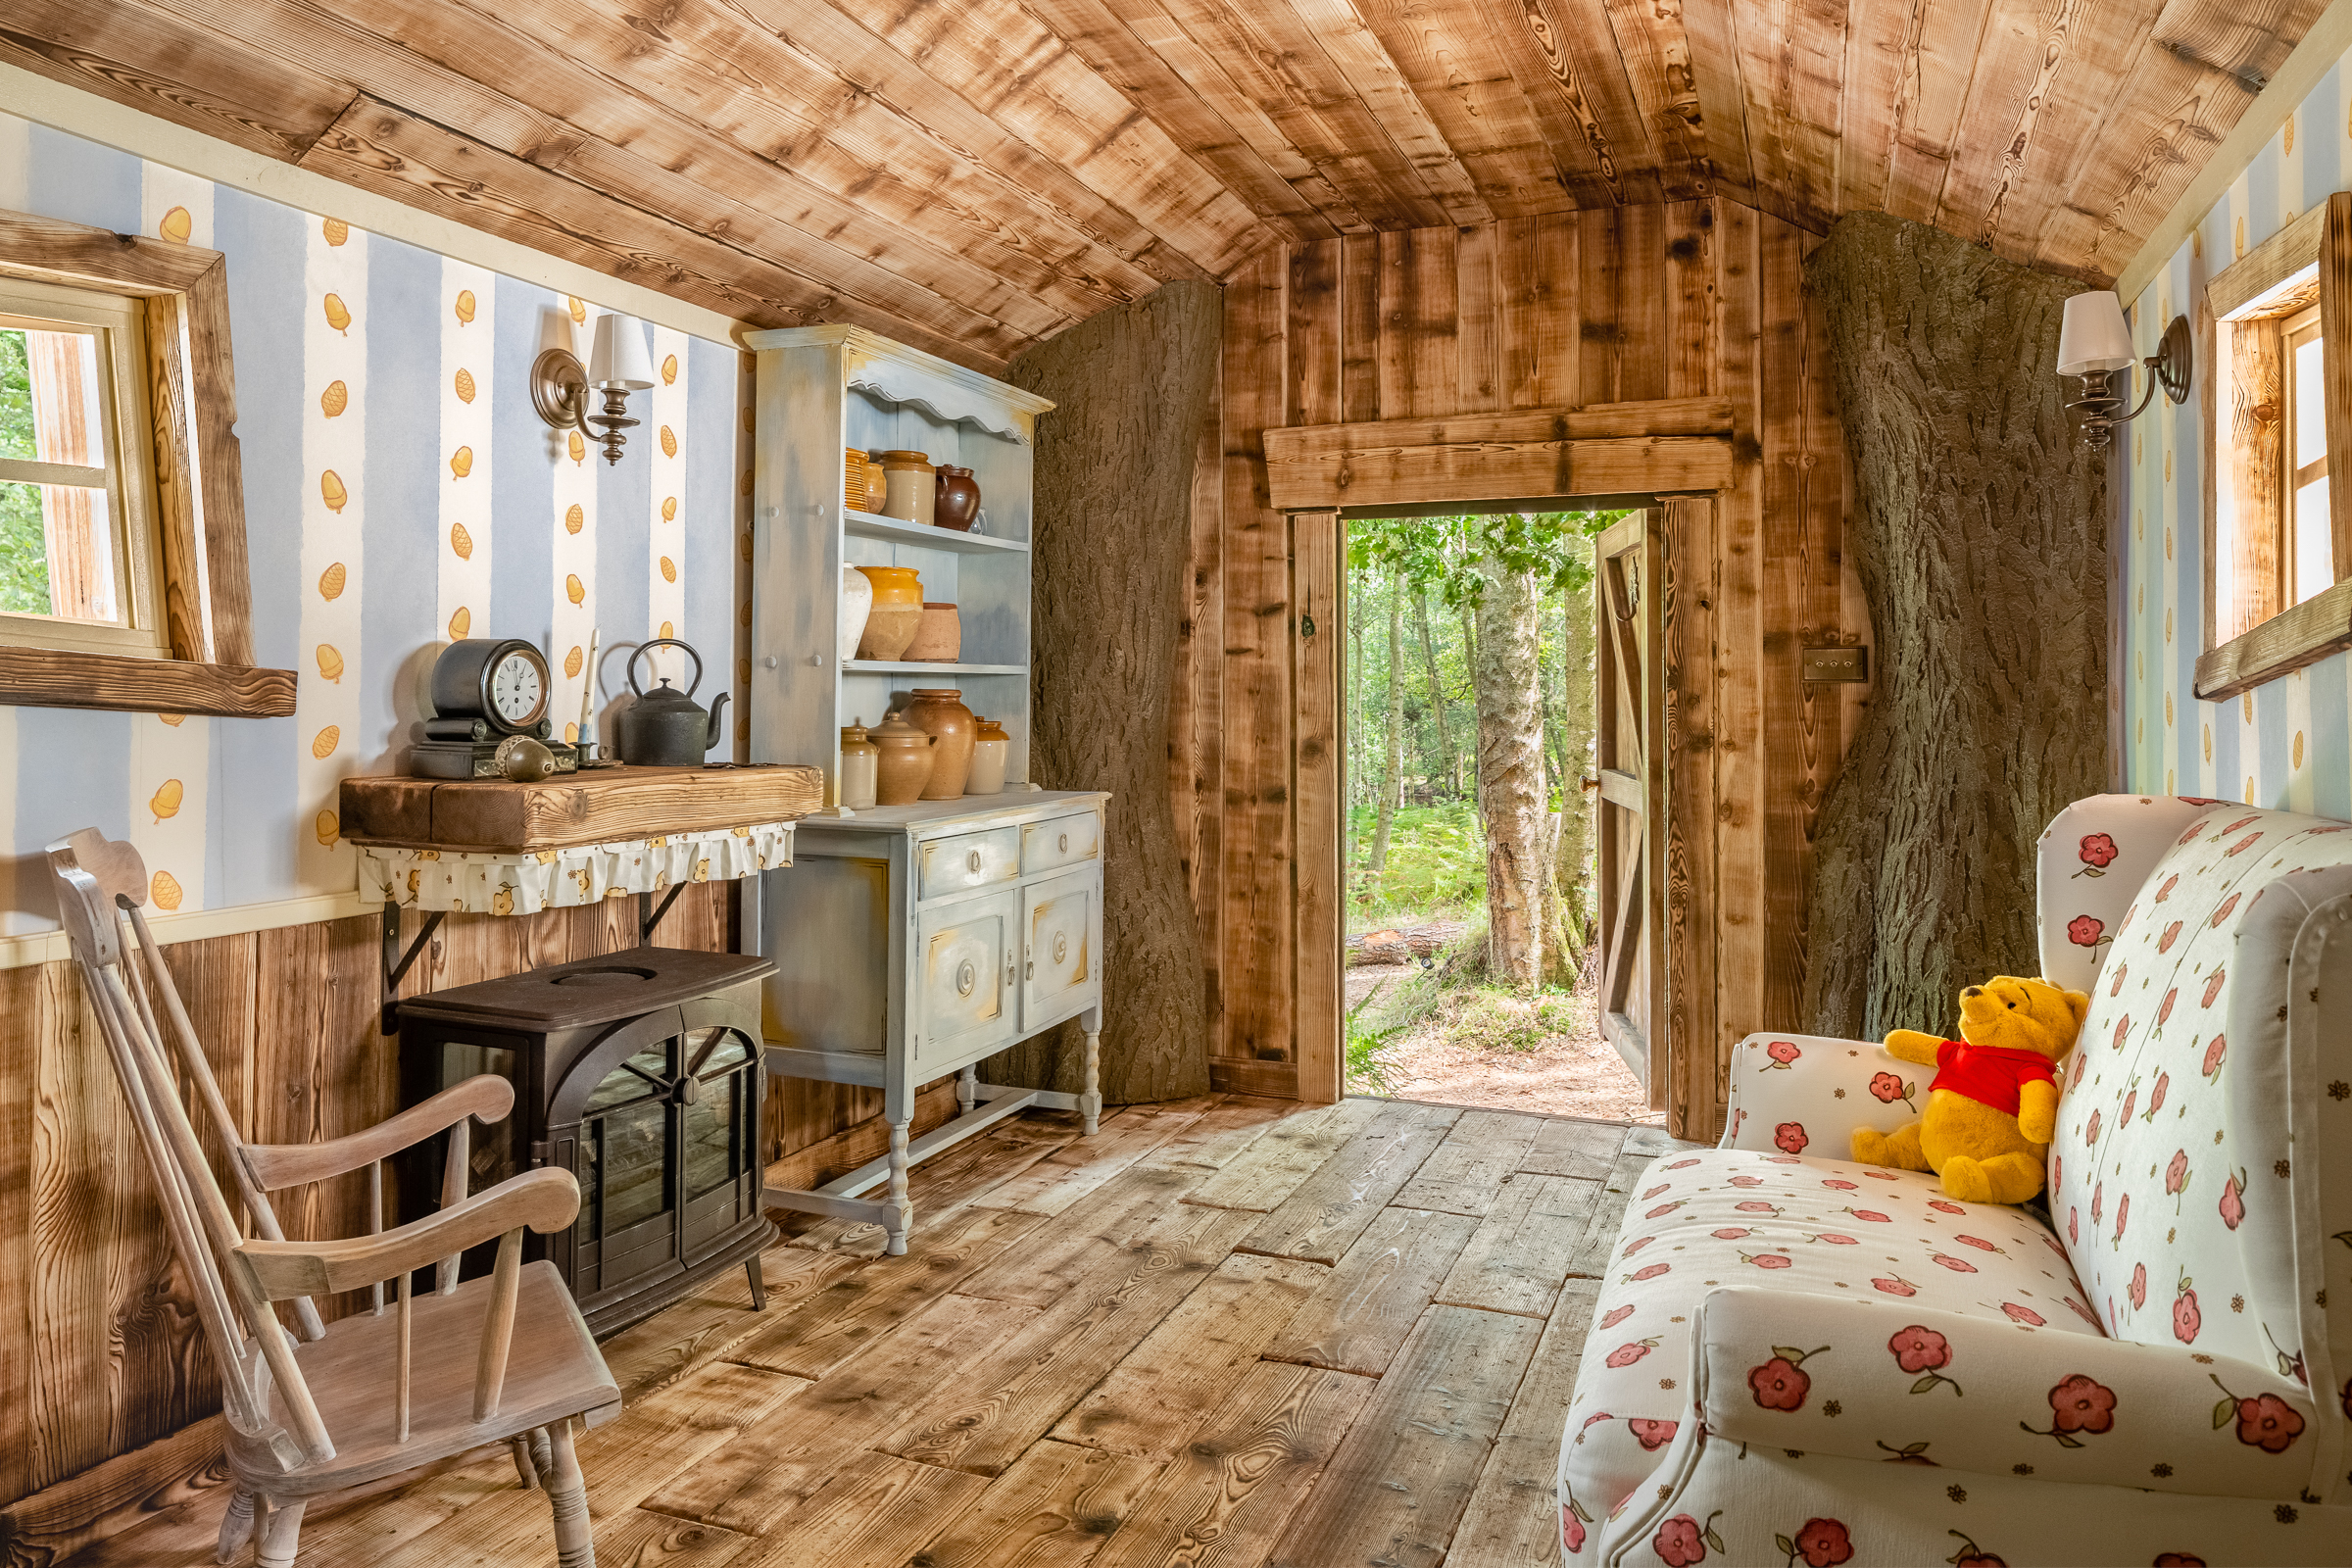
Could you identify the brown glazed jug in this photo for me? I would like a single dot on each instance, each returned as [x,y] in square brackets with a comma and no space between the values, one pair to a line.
[958,501]
[904,767]
[941,713]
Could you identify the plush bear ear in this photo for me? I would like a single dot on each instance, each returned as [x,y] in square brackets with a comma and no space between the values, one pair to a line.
[2079,1003]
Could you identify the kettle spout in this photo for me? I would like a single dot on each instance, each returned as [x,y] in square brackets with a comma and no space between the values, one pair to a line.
[712,738]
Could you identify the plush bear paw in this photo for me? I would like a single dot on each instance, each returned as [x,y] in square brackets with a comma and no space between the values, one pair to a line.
[1966,1179]
[1870,1145]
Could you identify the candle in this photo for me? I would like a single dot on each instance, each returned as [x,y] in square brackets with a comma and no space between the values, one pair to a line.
[588,701]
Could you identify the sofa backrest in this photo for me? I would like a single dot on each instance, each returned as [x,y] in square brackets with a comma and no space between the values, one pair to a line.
[2188,1174]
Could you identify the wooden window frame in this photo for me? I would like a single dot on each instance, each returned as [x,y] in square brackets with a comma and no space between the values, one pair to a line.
[198,487]
[2244,307]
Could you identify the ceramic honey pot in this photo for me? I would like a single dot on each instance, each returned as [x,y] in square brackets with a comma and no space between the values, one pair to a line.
[938,636]
[913,486]
[898,611]
[990,748]
[903,760]
[859,760]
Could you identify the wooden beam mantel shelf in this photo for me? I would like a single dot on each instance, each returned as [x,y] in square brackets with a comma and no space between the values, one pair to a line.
[1667,446]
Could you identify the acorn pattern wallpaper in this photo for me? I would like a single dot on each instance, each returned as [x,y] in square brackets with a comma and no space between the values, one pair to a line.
[2286,744]
[400,492]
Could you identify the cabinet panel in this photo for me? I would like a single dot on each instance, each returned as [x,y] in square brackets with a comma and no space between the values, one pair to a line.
[1061,946]
[1063,840]
[963,971]
[965,862]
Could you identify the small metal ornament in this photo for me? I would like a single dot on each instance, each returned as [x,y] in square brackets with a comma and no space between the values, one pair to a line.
[523,761]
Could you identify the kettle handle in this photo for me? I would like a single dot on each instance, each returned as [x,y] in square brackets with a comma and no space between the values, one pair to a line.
[653,643]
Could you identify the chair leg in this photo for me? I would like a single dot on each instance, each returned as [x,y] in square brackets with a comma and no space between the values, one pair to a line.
[280,1534]
[236,1526]
[751,1269]
[520,1444]
[568,1493]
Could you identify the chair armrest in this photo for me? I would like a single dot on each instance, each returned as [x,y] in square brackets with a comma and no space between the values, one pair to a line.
[544,1200]
[1879,1378]
[486,1096]
[1793,1093]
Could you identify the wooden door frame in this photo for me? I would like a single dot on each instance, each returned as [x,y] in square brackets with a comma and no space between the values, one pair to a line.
[1436,474]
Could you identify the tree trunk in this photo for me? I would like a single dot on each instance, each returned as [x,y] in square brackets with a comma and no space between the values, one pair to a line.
[1133,386]
[1437,696]
[1981,546]
[1478,794]
[1575,854]
[1391,784]
[1510,771]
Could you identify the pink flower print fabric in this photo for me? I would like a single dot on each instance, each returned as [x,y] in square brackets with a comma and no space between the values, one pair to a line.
[1806,1093]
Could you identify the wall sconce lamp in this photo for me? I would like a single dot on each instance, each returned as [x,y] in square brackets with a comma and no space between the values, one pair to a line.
[618,364]
[2094,343]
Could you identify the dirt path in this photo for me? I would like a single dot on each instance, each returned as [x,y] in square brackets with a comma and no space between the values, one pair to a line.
[1570,1071]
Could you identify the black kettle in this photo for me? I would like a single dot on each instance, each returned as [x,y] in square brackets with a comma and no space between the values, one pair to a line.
[664,727]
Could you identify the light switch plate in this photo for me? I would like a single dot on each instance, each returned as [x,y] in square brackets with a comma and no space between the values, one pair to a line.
[1842,663]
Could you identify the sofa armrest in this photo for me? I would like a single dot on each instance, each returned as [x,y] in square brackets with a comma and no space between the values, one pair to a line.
[1796,1094]
[1879,1378]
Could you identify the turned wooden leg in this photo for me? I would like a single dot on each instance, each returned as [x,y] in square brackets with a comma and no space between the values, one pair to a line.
[1089,1103]
[523,1467]
[236,1526]
[751,1272]
[280,1532]
[568,1493]
[543,1454]
[967,1089]
[901,1216]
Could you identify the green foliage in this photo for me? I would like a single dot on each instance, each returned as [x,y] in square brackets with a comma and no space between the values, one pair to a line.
[1368,1072]
[23,547]
[1441,556]
[1437,862]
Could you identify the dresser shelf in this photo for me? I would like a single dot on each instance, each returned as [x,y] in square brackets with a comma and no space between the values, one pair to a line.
[923,536]
[876,667]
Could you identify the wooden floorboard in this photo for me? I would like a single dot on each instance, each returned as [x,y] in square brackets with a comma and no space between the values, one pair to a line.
[1225,1332]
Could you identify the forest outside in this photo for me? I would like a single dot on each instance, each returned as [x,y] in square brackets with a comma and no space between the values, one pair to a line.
[1469,847]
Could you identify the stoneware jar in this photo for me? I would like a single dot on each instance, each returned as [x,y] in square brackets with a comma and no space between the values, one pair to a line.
[913,486]
[898,611]
[859,756]
[905,758]
[877,485]
[857,603]
[958,501]
[990,746]
[941,713]
[938,636]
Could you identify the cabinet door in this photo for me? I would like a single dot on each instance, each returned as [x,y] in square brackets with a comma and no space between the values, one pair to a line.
[1061,946]
[964,969]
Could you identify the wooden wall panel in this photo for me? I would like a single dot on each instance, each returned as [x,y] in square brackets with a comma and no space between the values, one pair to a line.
[1686,300]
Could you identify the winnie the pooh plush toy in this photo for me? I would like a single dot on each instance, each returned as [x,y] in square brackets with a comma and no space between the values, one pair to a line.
[1994,1100]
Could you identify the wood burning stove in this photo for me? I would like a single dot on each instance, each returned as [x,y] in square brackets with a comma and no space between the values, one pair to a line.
[640,1073]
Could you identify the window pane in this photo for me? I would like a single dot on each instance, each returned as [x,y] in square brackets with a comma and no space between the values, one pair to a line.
[2315,541]
[56,558]
[49,408]
[2311,402]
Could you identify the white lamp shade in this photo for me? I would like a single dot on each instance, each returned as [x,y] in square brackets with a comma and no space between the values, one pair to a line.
[621,358]
[2092,338]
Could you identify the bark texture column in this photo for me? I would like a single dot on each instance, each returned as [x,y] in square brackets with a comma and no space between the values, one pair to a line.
[1980,539]
[1114,480]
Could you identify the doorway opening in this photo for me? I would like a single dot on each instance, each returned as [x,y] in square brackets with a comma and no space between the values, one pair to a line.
[1489,714]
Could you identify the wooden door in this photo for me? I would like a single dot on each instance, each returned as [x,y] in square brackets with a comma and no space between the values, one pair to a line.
[1630,744]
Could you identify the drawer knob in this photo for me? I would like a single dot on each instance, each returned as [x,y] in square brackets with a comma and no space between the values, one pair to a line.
[966,977]
[971,862]
[1063,846]
[1061,946]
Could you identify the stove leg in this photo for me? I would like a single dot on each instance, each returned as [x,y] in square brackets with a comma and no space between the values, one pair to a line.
[902,1216]
[967,1089]
[1089,1103]
[751,1269]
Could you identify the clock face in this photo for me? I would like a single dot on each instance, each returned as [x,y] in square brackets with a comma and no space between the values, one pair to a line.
[517,690]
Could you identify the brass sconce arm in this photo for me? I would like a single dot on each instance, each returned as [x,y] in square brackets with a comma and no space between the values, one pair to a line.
[2171,368]
[560,392]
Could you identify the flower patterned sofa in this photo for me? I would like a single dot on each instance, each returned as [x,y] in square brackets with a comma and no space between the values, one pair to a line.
[1794,1357]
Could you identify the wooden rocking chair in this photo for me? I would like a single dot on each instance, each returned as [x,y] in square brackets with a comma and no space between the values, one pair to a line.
[350,1402]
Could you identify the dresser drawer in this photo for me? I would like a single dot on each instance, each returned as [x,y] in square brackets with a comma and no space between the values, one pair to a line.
[967,860]
[1063,840]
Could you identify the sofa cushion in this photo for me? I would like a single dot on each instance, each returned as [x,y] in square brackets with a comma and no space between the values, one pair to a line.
[1826,1227]
[2171,1171]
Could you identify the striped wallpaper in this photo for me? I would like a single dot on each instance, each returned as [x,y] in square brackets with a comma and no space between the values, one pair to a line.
[2287,743]
[399,490]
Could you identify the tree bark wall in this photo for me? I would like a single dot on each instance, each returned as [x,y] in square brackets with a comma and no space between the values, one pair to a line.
[1131,389]
[1982,547]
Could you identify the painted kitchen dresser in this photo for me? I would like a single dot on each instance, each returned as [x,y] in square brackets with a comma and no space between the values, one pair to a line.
[910,942]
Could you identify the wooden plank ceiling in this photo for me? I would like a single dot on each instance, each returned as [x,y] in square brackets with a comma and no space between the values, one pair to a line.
[976,174]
